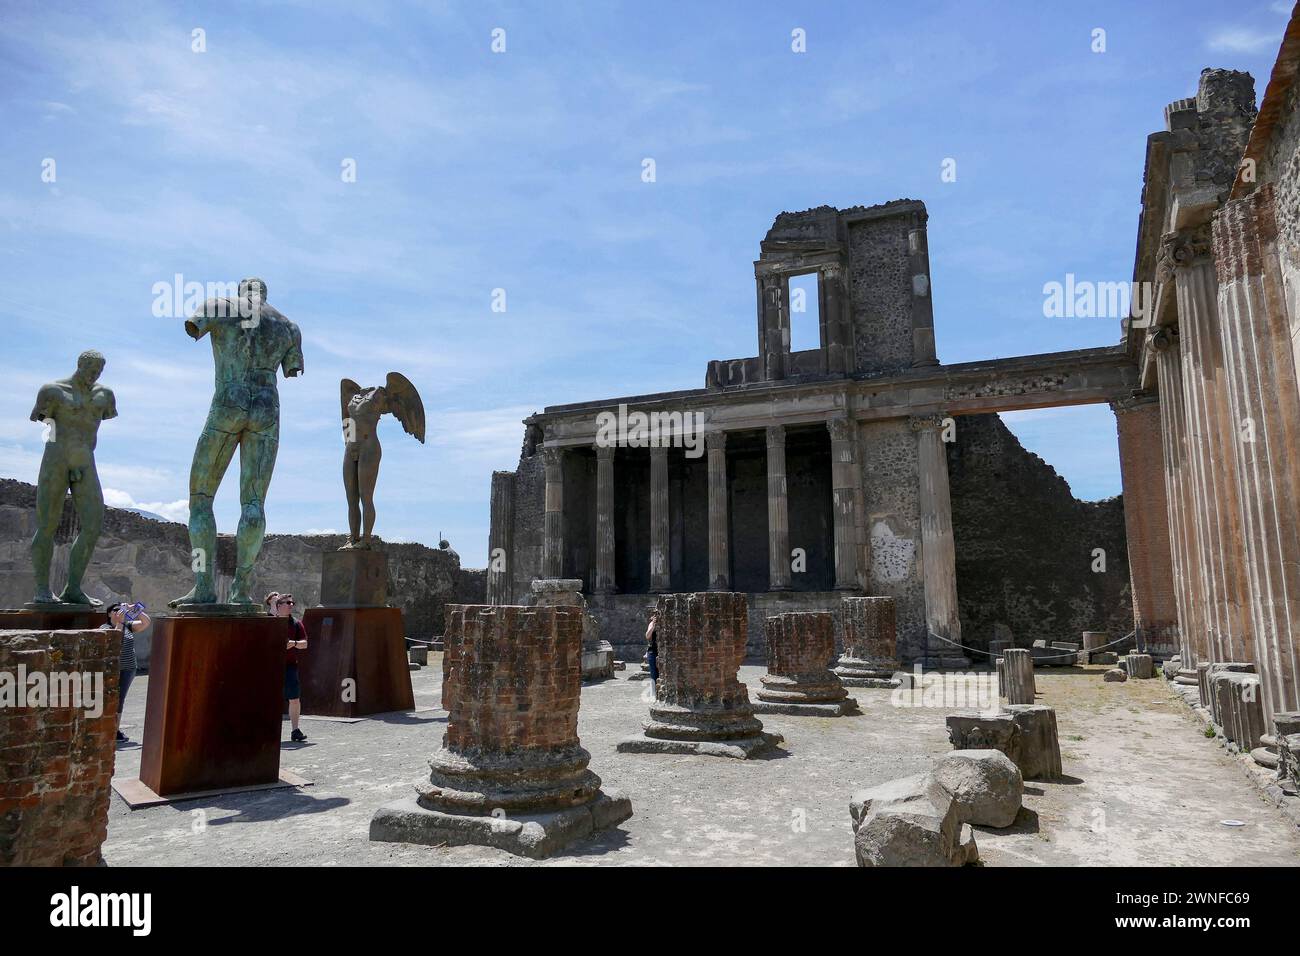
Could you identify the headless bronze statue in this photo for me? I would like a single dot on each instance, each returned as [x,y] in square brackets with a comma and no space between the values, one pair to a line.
[362,408]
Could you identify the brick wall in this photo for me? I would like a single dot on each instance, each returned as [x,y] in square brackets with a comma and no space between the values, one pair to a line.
[701,641]
[56,763]
[800,643]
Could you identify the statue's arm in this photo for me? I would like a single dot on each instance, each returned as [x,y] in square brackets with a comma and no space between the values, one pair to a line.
[108,404]
[292,362]
[47,399]
[207,318]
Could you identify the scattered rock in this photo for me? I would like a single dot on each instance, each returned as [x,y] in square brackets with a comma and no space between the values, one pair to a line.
[985,784]
[910,822]
[1116,675]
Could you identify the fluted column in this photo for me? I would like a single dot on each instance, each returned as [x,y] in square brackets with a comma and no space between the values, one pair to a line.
[499,537]
[604,583]
[719,532]
[1212,434]
[844,457]
[1255,336]
[938,549]
[660,550]
[553,516]
[778,516]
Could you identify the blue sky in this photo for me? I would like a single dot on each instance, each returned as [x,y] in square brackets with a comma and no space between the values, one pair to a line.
[521,171]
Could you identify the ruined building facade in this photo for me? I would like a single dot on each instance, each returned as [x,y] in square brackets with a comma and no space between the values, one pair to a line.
[848,454]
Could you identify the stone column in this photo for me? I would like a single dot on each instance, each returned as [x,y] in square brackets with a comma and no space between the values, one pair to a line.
[1184,547]
[844,457]
[701,706]
[918,254]
[800,645]
[660,547]
[1018,675]
[1146,522]
[1265,404]
[870,655]
[778,518]
[553,517]
[938,550]
[511,687]
[834,310]
[499,537]
[719,530]
[1211,435]
[773,325]
[604,582]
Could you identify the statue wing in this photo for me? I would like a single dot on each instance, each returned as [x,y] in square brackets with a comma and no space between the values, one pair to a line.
[347,389]
[405,403]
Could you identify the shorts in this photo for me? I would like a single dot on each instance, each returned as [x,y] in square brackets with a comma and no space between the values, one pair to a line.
[292,688]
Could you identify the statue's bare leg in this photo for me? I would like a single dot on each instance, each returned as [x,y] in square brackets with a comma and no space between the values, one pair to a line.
[257,451]
[368,477]
[50,488]
[354,498]
[211,459]
[88,499]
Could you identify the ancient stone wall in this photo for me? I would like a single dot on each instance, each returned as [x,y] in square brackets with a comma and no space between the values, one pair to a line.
[1025,545]
[881,303]
[56,761]
[1281,167]
[149,561]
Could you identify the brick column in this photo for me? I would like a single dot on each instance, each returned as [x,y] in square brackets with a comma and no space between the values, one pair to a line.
[778,520]
[938,549]
[1146,521]
[918,258]
[604,582]
[719,529]
[800,645]
[553,518]
[56,759]
[844,458]
[870,655]
[1265,405]
[660,547]
[499,537]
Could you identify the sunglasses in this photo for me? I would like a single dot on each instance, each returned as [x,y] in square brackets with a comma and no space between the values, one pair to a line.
[290,603]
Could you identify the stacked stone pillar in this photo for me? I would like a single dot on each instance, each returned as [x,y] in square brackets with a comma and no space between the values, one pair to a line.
[778,516]
[604,583]
[512,772]
[660,553]
[870,657]
[719,527]
[553,516]
[800,645]
[1261,377]
[938,550]
[701,707]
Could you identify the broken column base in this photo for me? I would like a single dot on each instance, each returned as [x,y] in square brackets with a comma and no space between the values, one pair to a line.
[742,748]
[534,835]
[598,661]
[888,683]
[839,708]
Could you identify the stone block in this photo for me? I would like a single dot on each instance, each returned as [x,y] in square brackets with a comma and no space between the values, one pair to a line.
[357,577]
[1140,666]
[985,732]
[1040,748]
[1115,675]
[985,784]
[910,822]
[418,654]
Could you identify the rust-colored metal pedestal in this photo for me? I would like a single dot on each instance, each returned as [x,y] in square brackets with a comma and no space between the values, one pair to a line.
[355,663]
[31,619]
[212,718]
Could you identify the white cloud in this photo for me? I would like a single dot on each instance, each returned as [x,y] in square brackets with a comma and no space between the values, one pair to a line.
[171,510]
[1241,40]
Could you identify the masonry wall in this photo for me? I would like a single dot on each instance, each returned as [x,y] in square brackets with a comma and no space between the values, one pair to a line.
[56,763]
[1025,543]
[149,561]
[880,281]
[1282,168]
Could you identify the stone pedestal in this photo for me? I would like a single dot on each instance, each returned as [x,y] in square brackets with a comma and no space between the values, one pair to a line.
[355,662]
[701,706]
[800,645]
[1140,666]
[1016,675]
[1026,733]
[1206,683]
[1238,707]
[512,772]
[216,690]
[66,617]
[354,578]
[870,642]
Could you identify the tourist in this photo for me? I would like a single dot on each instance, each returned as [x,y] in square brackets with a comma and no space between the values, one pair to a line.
[117,621]
[283,607]
[652,648]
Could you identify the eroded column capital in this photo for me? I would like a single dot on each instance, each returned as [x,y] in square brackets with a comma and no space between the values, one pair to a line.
[841,429]
[715,440]
[775,435]
[922,423]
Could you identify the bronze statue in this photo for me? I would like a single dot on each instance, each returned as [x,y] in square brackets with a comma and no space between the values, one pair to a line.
[362,408]
[72,409]
[251,341]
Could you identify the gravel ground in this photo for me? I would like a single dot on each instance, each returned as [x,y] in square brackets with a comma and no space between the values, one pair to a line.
[1144,787]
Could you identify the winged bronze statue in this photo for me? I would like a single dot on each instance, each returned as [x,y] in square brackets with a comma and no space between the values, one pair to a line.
[362,408]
